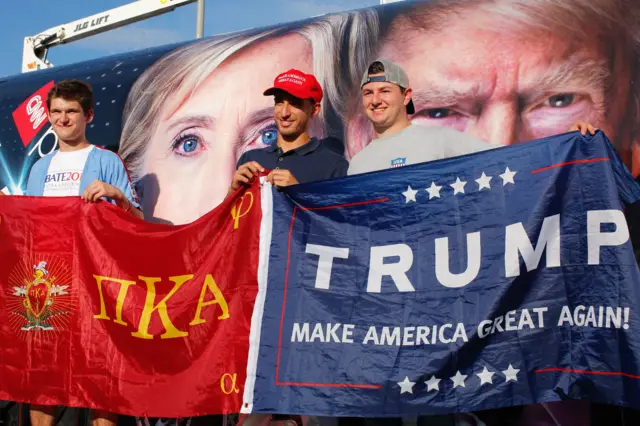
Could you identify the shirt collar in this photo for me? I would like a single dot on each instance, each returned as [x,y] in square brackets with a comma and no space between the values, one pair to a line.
[305,149]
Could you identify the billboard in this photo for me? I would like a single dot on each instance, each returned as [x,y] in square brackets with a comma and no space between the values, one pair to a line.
[505,71]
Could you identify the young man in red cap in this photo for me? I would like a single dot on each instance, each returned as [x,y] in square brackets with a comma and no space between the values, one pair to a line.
[295,157]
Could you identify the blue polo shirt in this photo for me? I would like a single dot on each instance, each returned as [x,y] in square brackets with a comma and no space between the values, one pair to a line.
[311,162]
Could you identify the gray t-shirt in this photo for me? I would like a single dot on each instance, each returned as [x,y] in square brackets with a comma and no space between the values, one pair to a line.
[413,145]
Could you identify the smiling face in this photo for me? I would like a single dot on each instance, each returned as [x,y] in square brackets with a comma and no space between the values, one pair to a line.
[193,152]
[292,115]
[68,120]
[504,86]
[384,103]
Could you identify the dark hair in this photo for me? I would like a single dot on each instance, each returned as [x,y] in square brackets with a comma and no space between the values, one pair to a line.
[72,90]
[376,67]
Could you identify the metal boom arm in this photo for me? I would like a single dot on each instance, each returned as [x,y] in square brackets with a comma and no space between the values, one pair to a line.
[34,55]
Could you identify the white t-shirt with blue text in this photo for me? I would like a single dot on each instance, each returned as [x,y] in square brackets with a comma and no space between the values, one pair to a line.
[65,173]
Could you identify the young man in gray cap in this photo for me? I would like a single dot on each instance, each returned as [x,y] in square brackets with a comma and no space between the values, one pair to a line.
[386,97]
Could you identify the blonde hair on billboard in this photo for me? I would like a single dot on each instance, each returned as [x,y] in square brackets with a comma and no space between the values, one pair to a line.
[178,75]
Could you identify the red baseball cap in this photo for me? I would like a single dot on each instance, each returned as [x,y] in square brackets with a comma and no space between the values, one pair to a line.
[298,84]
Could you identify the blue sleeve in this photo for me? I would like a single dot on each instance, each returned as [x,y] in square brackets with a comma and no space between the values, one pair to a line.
[118,176]
[36,177]
[31,183]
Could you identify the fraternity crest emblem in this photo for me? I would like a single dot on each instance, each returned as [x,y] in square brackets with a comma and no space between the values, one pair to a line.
[399,162]
[43,303]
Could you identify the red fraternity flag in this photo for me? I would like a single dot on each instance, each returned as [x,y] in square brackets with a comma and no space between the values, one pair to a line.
[102,310]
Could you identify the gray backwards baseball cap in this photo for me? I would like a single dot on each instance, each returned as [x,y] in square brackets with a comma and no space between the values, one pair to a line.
[392,74]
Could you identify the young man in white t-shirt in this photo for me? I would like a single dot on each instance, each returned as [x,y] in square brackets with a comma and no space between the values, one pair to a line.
[78,168]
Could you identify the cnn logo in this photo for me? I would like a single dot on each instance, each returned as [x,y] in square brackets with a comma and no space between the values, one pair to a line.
[36,111]
[31,115]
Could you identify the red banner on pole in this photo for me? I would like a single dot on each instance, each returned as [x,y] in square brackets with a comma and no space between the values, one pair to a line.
[101,310]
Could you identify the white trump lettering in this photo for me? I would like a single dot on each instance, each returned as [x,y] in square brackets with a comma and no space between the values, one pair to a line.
[393,262]
[397,271]
[326,255]
[517,243]
[444,274]
[597,239]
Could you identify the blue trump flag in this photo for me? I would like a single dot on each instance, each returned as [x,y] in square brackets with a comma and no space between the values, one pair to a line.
[489,280]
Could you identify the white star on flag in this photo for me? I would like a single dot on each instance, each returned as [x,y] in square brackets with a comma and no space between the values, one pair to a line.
[433,384]
[458,380]
[434,190]
[406,385]
[507,177]
[485,376]
[409,195]
[511,373]
[483,181]
[458,186]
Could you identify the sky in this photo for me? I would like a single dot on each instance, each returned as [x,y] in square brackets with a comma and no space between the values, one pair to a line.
[21,18]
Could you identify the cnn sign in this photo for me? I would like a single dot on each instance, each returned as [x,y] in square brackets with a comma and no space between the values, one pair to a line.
[31,115]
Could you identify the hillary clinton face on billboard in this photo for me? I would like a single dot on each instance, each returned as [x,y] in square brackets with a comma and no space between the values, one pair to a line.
[193,151]
[197,110]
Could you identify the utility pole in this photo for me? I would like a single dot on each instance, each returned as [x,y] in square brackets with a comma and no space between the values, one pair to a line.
[200,20]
